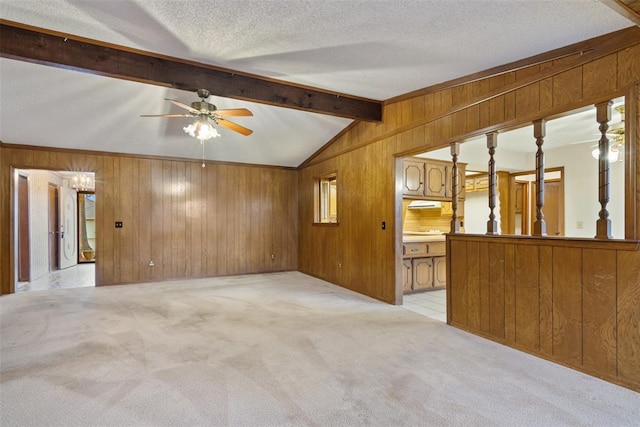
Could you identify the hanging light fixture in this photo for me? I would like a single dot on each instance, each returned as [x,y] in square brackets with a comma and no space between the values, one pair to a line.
[617,139]
[203,130]
[82,182]
[613,155]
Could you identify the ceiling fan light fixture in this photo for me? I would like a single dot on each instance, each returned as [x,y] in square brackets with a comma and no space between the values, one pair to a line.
[202,129]
[613,155]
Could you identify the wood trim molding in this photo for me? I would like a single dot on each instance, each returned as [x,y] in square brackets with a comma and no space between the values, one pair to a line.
[580,48]
[331,141]
[623,9]
[568,242]
[134,156]
[38,45]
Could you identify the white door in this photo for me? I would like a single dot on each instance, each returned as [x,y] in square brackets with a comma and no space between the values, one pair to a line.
[68,227]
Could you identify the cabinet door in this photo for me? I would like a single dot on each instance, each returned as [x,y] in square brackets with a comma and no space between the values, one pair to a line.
[422,273]
[407,275]
[439,272]
[413,178]
[436,177]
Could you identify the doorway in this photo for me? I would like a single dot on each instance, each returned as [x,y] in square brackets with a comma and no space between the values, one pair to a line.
[46,235]
[54,244]
[24,260]
[522,211]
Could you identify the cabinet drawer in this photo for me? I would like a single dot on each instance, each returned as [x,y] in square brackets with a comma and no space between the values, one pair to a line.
[436,248]
[414,249]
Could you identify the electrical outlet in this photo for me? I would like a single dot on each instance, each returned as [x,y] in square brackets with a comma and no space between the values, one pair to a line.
[151,264]
[273,256]
[118,224]
[579,225]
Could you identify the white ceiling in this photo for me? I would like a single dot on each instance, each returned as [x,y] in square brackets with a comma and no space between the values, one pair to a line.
[368,48]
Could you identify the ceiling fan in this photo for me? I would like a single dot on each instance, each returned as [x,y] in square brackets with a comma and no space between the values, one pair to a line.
[205,113]
[615,134]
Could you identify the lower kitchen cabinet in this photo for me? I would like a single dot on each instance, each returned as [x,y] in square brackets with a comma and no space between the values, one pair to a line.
[407,275]
[422,273]
[424,266]
[439,271]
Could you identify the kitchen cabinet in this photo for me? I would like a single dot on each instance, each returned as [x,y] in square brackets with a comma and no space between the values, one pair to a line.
[430,179]
[424,266]
[413,177]
[422,273]
[435,186]
[439,272]
[407,275]
[476,183]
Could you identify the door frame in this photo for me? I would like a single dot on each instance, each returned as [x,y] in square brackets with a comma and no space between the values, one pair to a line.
[530,196]
[23,235]
[53,219]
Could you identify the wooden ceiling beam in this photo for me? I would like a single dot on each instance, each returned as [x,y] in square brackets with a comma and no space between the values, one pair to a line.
[38,45]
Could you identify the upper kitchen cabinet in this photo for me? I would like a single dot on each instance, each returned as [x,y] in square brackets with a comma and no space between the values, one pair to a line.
[413,177]
[430,179]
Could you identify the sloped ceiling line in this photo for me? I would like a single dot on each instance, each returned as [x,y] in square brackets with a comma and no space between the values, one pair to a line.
[630,9]
[605,45]
[37,45]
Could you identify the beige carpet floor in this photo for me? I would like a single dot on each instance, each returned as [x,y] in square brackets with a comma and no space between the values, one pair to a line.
[271,350]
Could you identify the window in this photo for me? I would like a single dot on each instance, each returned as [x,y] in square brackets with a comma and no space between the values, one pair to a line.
[326,200]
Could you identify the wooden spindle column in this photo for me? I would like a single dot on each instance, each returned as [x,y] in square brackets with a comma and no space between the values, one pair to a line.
[455,223]
[603,224]
[539,131]
[492,144]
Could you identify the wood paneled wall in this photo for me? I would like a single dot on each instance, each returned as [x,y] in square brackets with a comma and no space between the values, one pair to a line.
[576,302]
[357,254]
[190,221]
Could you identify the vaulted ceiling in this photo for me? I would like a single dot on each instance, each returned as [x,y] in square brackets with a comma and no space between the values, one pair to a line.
[305,62]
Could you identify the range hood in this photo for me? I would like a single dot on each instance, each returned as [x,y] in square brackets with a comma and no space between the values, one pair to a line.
[423,204]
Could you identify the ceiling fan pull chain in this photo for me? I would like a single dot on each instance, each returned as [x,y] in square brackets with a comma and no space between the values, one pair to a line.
[202,143]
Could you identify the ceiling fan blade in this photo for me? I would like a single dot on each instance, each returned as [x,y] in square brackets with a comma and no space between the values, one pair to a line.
[235,127]
[181,105]
[166,115]
[234,112]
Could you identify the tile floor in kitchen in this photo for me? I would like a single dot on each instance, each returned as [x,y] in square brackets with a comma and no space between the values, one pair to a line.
[432,304]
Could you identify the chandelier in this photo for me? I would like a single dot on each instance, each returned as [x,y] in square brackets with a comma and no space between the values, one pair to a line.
[82,182]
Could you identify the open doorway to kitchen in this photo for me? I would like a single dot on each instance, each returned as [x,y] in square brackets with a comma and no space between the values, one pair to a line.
[571,205]
[48,232]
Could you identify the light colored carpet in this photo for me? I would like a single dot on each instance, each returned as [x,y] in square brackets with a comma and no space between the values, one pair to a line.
[271,349]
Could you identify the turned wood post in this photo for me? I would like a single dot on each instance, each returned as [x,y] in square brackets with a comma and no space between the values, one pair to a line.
[455,224]
[492,144]
[603,224]
[539,131]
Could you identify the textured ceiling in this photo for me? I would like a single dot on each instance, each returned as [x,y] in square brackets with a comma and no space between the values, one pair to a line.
[373,49]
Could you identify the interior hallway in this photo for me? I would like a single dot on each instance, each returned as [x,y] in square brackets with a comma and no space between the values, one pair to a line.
[271,349]
[78,276]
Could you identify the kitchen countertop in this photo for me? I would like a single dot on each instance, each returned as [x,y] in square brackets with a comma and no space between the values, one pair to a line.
[422,237]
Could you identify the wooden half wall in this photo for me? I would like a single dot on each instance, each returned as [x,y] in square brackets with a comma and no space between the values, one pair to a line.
[573,301]
[357,254]
[192,222]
